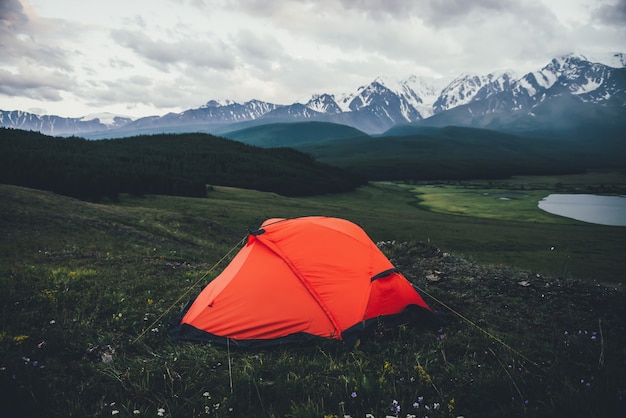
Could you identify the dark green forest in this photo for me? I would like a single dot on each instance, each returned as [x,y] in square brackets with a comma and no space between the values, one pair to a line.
[417,153]
[181,165]
[291,160]
[460,153]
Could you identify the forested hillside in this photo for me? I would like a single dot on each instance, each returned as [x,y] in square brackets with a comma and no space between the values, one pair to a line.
[457,153]
[181,165]
[295,134]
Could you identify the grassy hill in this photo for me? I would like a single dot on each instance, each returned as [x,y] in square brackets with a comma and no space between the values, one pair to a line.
[87,289]
[295,134]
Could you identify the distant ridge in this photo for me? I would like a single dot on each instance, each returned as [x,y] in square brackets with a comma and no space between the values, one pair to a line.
[294,134]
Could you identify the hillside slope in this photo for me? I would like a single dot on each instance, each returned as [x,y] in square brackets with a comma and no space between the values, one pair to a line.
[87,289]
[294,134]
[451,153]
[180,165]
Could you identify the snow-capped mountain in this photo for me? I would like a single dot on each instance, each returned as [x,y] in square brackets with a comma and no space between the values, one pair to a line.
[426,91]
[611,59]
[467,88]
[324,103]
[571,74]
[385,102]
[223,112]
[381,100]
[56,125]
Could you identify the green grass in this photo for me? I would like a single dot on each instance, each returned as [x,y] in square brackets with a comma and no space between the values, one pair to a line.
[395,212]
[87,289]
[485,203]
[513,199]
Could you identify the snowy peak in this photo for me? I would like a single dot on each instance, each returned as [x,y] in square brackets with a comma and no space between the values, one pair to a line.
[609,59]
[56,125]
[387,100]
[426,88]
[402,88]
[612,59]
[259,108]
[495,84]
[425,91]
[366,95]
[294,111]
[225,111]
[459,92]
[573,73]
[323,103]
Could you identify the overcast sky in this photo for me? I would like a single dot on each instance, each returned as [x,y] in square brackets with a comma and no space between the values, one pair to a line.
[149,57]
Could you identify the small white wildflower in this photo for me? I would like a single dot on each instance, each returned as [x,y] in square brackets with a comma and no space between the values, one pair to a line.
[161,412]
[136,412]
[115,412]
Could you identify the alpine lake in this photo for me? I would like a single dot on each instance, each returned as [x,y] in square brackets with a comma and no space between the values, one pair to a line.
[597,209]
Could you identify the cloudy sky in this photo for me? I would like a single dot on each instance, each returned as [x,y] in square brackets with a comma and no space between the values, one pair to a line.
[149,57]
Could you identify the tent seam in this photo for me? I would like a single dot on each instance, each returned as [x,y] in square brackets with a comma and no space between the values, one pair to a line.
[305,283]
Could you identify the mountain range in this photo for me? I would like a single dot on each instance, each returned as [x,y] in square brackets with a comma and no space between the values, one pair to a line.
[565,94]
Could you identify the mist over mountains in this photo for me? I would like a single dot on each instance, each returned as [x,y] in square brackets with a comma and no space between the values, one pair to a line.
[568,94]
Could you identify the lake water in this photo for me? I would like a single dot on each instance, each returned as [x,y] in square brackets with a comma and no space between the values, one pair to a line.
[603,210]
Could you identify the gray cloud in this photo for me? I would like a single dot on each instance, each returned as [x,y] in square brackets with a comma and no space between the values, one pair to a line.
[423,31]
[213,53]
[450,14]
[280,51]
[12,14]
[259,49]
[612,14]
[34,85]
[39,69]
[382,9]
[24,38]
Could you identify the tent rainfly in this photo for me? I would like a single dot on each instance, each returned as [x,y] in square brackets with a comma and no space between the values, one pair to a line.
[299,279]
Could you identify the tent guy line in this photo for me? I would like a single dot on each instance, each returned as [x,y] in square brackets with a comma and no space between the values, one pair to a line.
[186,292]
[475,325]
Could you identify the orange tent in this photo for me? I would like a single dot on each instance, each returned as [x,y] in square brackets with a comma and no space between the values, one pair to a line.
[296,279]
